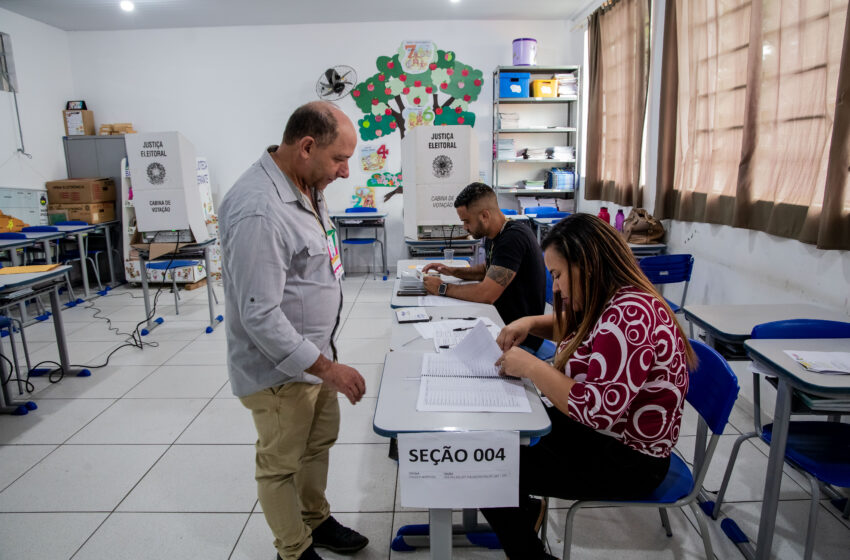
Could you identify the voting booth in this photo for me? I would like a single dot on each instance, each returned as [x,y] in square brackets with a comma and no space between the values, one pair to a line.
[437,163]
[166,197]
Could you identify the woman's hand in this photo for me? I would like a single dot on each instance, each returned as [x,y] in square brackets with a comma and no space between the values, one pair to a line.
[513,334]
[516,362]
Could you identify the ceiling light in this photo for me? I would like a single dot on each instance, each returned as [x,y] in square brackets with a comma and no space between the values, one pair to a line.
[127,6]
[455,1]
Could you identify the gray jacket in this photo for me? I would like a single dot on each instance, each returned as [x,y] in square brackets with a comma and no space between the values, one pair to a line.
[282,300]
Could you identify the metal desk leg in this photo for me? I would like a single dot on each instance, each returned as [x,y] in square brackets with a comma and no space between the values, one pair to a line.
[7,404]
[214,321]
[441,534]
[61,342]
[47,256]
[83,268]
[15,257]
[384,248]
[152,323]
[108,234]
[773,477]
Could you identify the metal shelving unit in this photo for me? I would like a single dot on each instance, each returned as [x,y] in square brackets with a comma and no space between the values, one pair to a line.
[544,121]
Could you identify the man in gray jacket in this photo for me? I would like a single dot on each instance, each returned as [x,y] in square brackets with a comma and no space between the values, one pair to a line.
[283,300]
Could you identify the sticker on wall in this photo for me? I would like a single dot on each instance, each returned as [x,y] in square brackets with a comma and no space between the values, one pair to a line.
[363,197]
[373,159]
[384,180]
[415,56]
[397,98]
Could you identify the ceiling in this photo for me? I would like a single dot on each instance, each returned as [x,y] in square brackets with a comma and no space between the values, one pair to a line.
[104,15]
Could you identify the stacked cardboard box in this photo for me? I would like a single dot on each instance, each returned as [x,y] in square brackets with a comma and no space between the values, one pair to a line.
[90,200]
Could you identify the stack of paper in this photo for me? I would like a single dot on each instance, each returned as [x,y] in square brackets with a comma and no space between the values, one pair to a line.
[505,149]
[567,85]
[822,362]
[509,120]
[534,153]
[466,379]
[563,153]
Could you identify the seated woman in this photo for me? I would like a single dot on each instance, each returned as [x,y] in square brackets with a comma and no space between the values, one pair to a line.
[617,388]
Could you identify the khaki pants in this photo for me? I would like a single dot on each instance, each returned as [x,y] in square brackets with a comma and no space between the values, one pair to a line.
[297,423]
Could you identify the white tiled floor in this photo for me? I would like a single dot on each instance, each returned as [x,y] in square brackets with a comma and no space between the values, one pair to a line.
[151,457]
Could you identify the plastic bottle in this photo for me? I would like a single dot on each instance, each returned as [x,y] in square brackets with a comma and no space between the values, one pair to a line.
[618,220]
[604,215]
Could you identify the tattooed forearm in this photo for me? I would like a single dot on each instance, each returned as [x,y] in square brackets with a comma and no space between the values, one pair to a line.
[501,275]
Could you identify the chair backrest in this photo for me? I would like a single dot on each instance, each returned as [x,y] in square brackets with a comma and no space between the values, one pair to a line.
[550,297]
[71,223]
[667,269]
[540,211]
[360,209]
[712,387]
[508,211]
[12,235]
[802,328]
[556,215]
[39,229]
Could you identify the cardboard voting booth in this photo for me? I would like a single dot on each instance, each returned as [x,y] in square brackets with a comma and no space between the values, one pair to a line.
[437,163]
[166,198]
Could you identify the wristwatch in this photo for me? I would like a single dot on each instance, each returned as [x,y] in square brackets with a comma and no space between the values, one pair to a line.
[442,289]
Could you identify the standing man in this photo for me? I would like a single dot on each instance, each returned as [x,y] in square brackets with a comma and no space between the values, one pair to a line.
[283,301]
[513,277]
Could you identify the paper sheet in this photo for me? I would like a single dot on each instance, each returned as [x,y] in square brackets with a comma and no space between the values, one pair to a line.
[822,362]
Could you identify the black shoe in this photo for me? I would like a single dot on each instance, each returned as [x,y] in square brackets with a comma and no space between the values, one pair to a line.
[309,554]
[333,536]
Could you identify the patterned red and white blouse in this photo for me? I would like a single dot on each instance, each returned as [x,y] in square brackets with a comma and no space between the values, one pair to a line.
[631,374]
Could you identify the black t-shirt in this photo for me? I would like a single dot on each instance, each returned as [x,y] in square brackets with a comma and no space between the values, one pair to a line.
[516,248]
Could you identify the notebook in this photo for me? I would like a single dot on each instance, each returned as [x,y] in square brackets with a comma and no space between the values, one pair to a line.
[465,379]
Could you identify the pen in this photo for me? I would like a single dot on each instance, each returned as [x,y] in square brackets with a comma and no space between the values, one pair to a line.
[461,329]
[461,318]
[445,346]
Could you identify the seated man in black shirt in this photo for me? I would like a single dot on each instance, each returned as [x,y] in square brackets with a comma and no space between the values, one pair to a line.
[512,278]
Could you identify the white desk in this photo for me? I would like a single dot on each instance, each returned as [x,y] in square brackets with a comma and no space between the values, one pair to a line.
[732,324]
[39,282]
[396,413]
[769,355]
[425,247]
[195,249]
[375,220]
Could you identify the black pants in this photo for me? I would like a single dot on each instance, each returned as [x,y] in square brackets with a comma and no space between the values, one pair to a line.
[572,462]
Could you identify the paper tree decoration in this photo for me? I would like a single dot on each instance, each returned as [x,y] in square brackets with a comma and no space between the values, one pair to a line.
[417,86]
[384,179]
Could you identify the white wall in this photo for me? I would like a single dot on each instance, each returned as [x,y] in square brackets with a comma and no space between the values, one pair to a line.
[230,90]
[43,66]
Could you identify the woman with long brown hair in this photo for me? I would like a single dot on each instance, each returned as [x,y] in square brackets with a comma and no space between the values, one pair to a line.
[617,386]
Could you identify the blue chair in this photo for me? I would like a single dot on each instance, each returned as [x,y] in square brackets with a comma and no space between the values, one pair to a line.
[540,211]
[508,211]
[712,392]
[548,349]
[819,450]
[351,242]
[669,269]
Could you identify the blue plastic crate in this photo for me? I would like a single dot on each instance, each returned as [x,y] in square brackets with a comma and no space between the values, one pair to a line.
[514,84]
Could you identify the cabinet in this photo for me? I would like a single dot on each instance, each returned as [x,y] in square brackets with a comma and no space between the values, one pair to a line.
[537,124]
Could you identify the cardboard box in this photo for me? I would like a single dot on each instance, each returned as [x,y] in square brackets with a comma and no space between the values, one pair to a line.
[73,191]
[78,123]
[92,213]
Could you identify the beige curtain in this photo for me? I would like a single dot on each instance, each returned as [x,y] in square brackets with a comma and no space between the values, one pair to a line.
[617,74]
[757,122]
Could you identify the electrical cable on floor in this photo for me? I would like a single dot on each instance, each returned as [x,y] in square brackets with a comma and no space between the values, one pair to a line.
[135,338]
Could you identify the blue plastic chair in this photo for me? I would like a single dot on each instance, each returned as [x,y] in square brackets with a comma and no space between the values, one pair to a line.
[819,450]
[669,269]
[540,211]
[712,391]
[361,241]
[508,211]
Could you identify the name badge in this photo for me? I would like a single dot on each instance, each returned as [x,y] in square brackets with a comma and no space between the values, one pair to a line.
[333,253]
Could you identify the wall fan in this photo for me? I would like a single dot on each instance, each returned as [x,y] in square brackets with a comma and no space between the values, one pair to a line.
[335,83]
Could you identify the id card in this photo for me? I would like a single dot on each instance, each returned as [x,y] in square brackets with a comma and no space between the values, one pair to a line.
[333,253]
